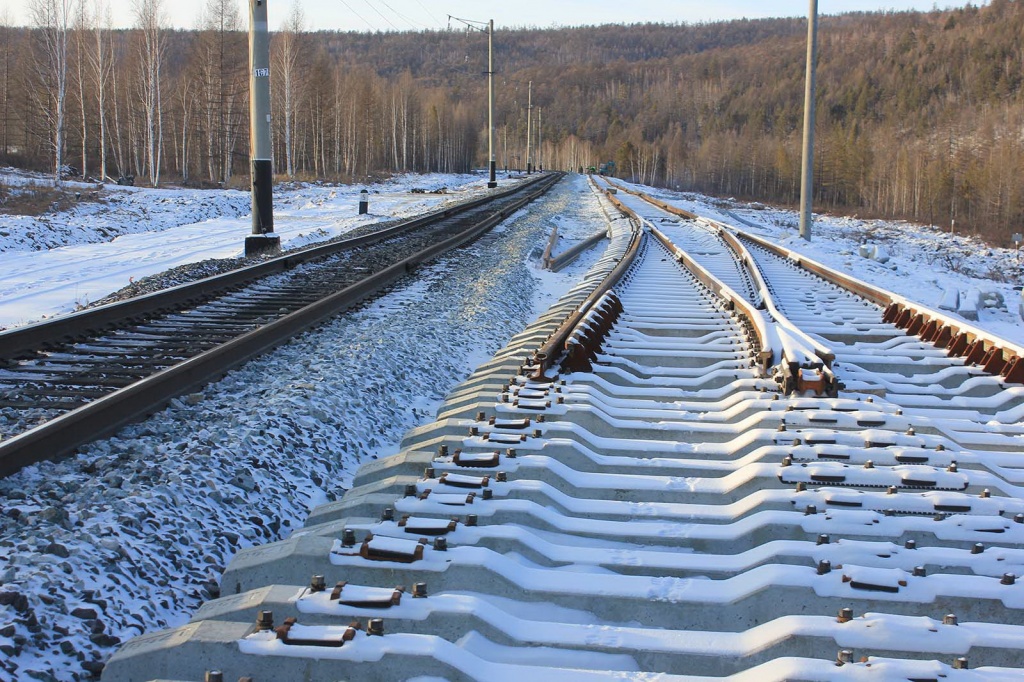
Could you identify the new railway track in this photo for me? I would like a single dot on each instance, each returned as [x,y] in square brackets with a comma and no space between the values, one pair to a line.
[68,381]
[712,459]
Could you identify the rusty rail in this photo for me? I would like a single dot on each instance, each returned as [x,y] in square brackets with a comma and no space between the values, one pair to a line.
[556,345]
[994,355]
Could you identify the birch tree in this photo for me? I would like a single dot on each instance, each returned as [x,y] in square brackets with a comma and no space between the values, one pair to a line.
[287,58]
[53,19]
[101,66]
[149,17]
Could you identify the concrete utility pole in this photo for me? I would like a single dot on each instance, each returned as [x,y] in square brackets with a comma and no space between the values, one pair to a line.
[487,28]
[262,239]
[492,181]
[807,181]
[529,132]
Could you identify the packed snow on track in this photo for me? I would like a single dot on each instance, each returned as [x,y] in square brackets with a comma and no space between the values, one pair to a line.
[116,541]
[132,534]
[59,262]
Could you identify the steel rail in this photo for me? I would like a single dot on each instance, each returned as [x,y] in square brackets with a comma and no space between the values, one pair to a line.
[995,355]
[556,345]
[103,416]
[27,340]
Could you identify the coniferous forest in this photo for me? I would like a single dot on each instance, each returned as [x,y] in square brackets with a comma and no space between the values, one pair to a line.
[920,115]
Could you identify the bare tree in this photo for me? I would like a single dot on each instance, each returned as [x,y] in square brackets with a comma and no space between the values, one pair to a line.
[101,66]
[287,57]
[149,16]
[6,41]
[53,19]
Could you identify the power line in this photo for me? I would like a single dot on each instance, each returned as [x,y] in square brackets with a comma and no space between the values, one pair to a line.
[413,24]
[381,15]
[436,20]
[350,9]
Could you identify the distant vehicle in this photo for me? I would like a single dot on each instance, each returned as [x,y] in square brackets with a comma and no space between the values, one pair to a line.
[607,168]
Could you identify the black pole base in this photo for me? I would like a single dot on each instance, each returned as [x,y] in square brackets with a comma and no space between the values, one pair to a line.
[492,182]
[262,197]
[262,244]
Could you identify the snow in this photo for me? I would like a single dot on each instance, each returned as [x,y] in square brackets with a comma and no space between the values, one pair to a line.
[137,529]
[56,263]
[133,533]
[924,261]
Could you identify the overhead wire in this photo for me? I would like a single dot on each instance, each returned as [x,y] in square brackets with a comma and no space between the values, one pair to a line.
[391,23]
[351,9]
[414,24]
[438,21]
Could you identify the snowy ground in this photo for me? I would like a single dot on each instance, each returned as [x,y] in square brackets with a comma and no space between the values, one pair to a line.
[923,262]
[96,549]
[115,542]
[57,262]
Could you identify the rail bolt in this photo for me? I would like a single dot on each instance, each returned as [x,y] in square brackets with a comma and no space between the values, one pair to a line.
[978,548]
[471,519]
[265,620]
[1008,579]
[950,619]
[410,490]
[375,627]
[824,566]
[387,514]
[501,477]
[317,584]
[823,539]
[920,572]
[910,544]
[960,663]
[213,676]
[845,656]
[419,590]
[348,537]
[845,615]
[441,544]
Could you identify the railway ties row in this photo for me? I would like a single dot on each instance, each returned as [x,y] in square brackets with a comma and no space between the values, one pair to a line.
[67,381]
[667,510]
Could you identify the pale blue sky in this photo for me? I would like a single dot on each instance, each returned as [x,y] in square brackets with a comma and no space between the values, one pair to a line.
[389,15]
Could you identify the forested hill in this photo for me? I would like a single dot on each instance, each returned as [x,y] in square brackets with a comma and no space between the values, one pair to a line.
[920,114]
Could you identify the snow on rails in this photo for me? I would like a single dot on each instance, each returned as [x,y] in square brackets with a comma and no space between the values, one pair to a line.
[705,462]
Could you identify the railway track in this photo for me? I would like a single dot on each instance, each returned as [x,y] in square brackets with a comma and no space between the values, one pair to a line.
[710,460]
[77,378]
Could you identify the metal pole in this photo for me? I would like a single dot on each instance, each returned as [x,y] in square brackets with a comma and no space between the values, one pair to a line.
[529,112]
[492,182]
[807,182]
[263,239]
[540,138]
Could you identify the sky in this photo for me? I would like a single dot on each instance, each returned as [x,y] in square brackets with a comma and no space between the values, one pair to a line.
[406,15]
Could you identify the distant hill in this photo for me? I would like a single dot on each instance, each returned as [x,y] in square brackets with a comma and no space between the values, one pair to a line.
[919,114]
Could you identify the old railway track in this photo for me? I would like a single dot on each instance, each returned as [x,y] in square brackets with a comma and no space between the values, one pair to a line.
[71,380]
[711,460]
